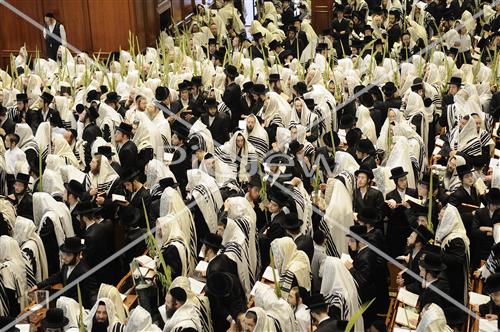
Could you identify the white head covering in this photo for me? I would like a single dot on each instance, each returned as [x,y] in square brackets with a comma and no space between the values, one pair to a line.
[61,148]
[71,310]
[140,321]
[104,180]
[171,234]
[14,275]
[451,227]
[112,293]
[228,153]
[110,310]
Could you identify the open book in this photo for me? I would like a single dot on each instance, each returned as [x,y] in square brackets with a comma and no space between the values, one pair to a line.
[118,198]
[408,297]
[478,299]
[201,267]
[196,285]
[414,200]
[488,325]
[407,317]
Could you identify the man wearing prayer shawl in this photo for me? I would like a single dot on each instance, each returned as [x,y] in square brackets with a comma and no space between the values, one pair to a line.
[433,319]
[452,238]
[140,321]
[179,314]
[102,317]
[257,136]
[238,154]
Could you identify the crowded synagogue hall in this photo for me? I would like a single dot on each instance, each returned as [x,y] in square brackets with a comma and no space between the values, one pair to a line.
[256,166]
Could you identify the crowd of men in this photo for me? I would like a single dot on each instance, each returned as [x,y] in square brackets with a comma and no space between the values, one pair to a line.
[321,154]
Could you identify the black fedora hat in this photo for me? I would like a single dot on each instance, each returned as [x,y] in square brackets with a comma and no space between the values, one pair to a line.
[368,173]
[347,121]
[219,284]
[365,146]
[209,103]
[86,207]
[247,87]
[295,146]
[23,178]
[161,93]
[389,88]
[231,71]
[277,196]
[417,84]
[276,158]
[125,128]
[426,179]
[274,78]
[423,233]
[284,55]
[212,41]
[54,318]
[357,43]
[259,89]
[493,196]
[129,175]
[180,131]
[196,81]
[212,240]
[419,211]
[300,88]
[168,182]
[274,44]
[184,85]
[369,215]
[256,36]
[75,188]
[47,97]
[104,150]
[464,169]
[359,230]
[493,283]
[92,95]
[79,108]
[397,172]
[432,260]
[112,97]
[93,113]
[72,245]
[455,81]
[316,301]
[22,97]
[327,139]
[291,221]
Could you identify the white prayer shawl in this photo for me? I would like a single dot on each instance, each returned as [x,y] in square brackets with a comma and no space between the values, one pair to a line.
[54,162]
[44,137]
[415,106]
[258,137]
[264,322]
[279,313]
[307,118]
[62,105]
[163,126]
[400,156]
[31,244]
[301,138]
[205,192]
[107,121]
[291,263]
[26,138]
[340,290]
[344,161]
[15,269]
[200,302]
[283,139]
[184,317]
[240,208]
[433,320]
[171,203]
[467,139]
[52,183]
[104,180]
[200,130]
[171,234]
[142,138]
[366,124]
[44,207]
[273,113]
[325,108]
[416,146]
[71,310]
[383,139]
[155,171]
[112,293]
[140,321]
[337,219]
[228,154]
[303,205]
[110,310]
[70,172]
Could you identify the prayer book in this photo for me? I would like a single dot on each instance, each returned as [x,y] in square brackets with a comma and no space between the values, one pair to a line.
[201,267]
[407,317]
[196,285]
[480,186]
[146,261]
[118,198]
[168,157]
[478,299]
[414,200]
[488,325]
[408,297]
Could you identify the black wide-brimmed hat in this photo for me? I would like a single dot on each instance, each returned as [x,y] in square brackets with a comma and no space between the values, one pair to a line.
[423,233]
[196,81]
[369,215]
[72,245]
[295,146]
[493,196]
[210,102]
[180,131]
[259,89]
[212,240]
[426,179]
[231,71]
[47,97]
[359,230]
[274,44]
[129,175]
[184,85]
[54,318]
[256,36]
[291,221]
[112,97]
[92,95]
[168,182]
[397,172]
[274,78]
[432,260]
[277,196]
[368,172]
[104,150]
[23,178]
[493,283]
[247,87]
[87,206]
[389,88]
[300,88]
[21,97]
[464,169]
[161,93]
[125,128]
[75,188]
[455,81]
[365,146]
[327,139]
[316,301]
[347,121]
[219,284]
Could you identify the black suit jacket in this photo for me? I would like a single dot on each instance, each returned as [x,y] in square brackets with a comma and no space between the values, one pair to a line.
[305,243]
[429,296]
[177,106]
[135,206]
[9,126]
[399,227]
[459,197]
[99,245]
[481,243]
[128,155]
[368,163]
[328,325]
[88,286]
[232,99]
[373,198]
[219,128]
[25,206]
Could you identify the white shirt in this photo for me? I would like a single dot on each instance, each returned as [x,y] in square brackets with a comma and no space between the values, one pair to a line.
[70,269]
[303,318]
[11,157]
[61,29]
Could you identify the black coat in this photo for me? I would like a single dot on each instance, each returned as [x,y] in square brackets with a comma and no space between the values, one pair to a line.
[399,227]
[456,260]
[24,207]
[232,99]
[99,245]
[305,243]
[459,197]
[373,198]
[411,283]
[270,232]
[136,208]
[172,259]
[48,236]
[293,45]
[132,234]
[480,242]
[220,127]
[177,105]
[327,325]
[181,162]
[368,163]
[257,52]
[88,286]
[287,17]
[393,35]
[128,156]
[429,296]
